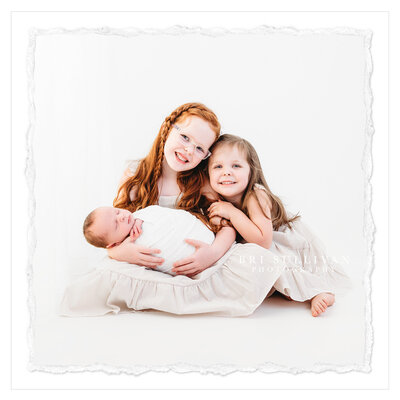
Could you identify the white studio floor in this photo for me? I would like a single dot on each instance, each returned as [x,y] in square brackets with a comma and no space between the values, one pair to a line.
[280,333]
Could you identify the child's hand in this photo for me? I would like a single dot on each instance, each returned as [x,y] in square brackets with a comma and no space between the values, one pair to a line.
[132,253]
[216,220]
[221,209]
[136,229]
[200,260]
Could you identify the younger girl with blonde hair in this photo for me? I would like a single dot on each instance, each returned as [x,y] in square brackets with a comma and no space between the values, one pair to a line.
[259,217]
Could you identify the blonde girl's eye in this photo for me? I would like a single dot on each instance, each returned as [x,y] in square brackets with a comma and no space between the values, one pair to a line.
[237,166]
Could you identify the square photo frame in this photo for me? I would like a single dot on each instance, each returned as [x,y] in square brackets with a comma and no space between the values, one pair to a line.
[302,97]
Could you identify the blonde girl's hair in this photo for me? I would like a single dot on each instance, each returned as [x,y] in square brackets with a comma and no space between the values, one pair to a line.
[278,213]
[150,168]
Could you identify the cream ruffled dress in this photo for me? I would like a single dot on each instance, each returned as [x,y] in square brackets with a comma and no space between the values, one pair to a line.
[235,286]
[308,270]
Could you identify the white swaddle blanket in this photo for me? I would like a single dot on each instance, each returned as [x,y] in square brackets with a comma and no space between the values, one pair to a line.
[166,229]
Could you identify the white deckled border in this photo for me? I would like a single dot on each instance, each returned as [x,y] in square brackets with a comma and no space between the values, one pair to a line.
[367,167]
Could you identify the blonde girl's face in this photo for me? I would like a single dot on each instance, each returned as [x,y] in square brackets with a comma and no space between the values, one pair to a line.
[229,172]
[188,143]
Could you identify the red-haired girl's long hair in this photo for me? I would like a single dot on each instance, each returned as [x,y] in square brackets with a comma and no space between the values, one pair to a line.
[149,169]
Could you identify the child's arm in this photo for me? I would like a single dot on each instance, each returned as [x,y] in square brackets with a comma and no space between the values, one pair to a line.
[210,196]
[223,241]
[205,255]
[256,229]
[132,253]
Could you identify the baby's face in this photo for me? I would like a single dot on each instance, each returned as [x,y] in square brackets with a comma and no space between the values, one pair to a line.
[113,223]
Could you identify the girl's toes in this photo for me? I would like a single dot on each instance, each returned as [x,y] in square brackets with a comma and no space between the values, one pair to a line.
[314,311]
[317,308]
[320,303]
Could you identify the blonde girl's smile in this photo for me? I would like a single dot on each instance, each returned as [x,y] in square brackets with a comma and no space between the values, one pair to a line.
[229,172]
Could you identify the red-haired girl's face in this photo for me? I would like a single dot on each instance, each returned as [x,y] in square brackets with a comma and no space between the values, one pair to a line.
[188,143]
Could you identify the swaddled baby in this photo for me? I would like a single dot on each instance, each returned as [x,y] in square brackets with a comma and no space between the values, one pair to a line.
[154,226]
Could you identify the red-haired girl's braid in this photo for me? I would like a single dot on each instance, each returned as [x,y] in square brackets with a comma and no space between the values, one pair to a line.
[149,169]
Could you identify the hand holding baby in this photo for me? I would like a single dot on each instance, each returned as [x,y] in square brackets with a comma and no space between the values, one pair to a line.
[201,259]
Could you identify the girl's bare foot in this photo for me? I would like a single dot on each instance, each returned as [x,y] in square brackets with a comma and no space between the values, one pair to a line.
[321,302]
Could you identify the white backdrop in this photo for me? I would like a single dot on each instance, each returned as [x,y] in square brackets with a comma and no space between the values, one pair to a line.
[101,96]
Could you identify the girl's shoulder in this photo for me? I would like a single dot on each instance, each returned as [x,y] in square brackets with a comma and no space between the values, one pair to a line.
[262,196]
[257,187]
[131,166]
[129,171]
